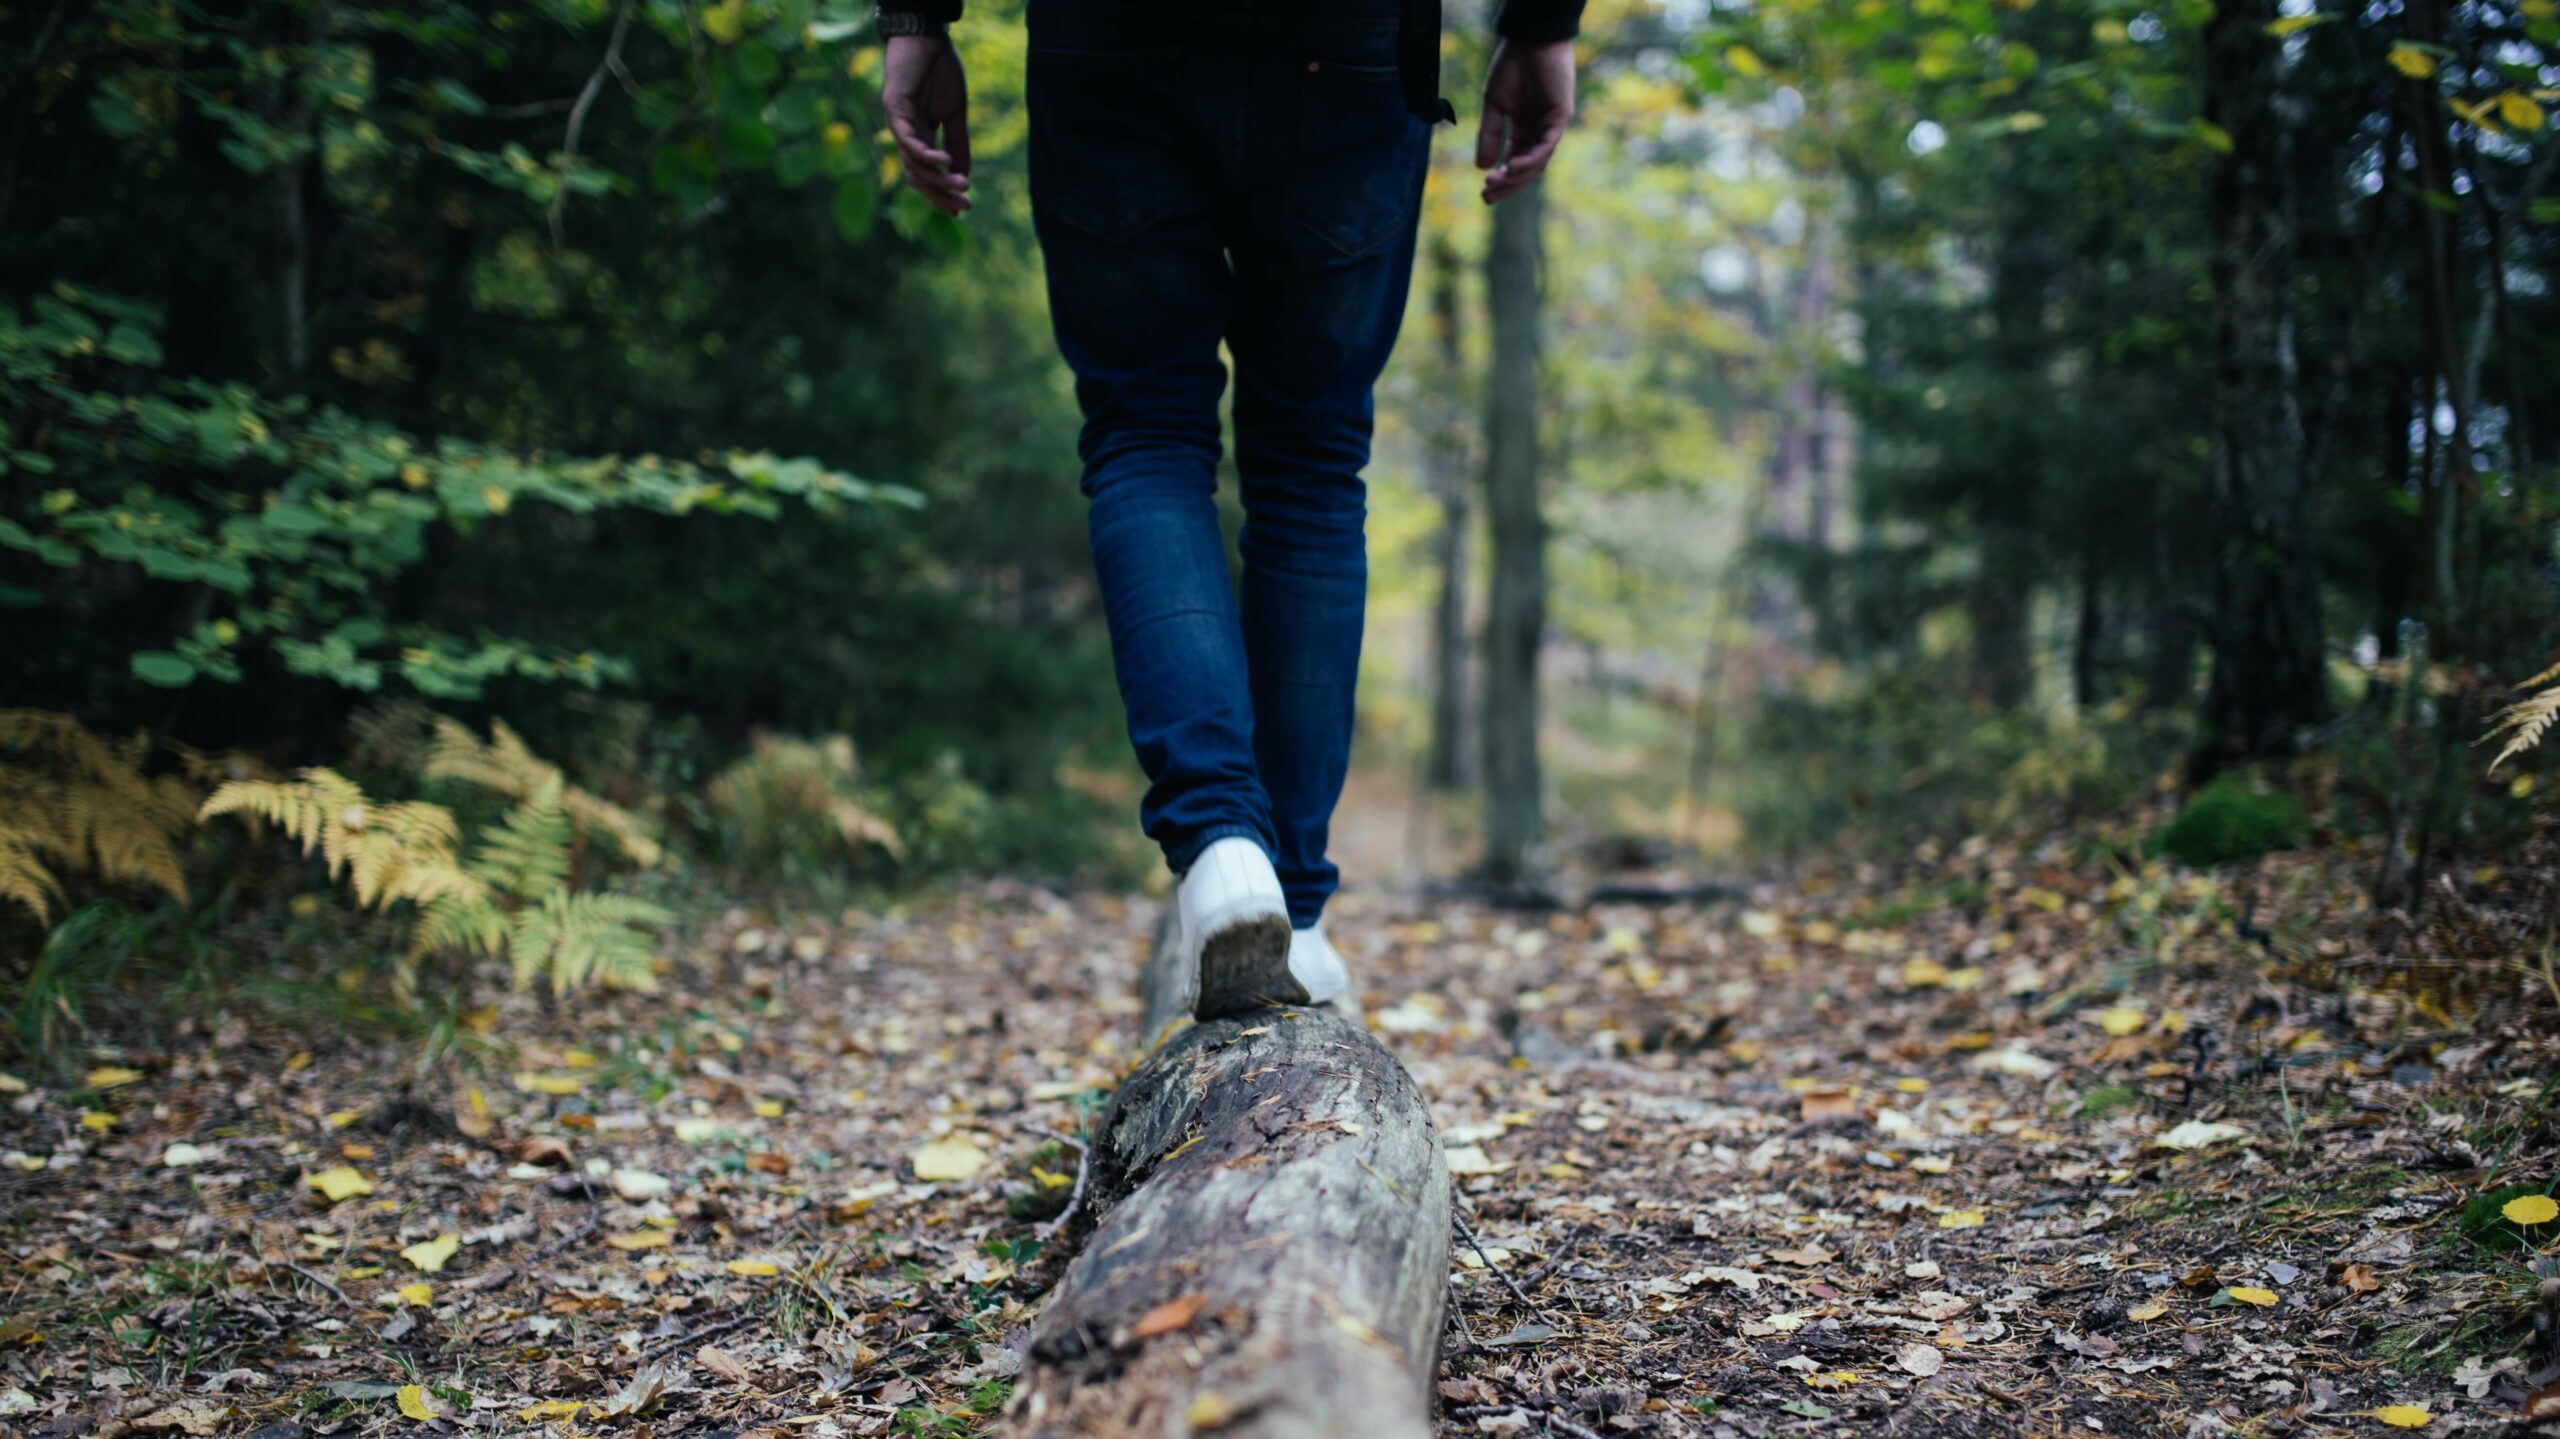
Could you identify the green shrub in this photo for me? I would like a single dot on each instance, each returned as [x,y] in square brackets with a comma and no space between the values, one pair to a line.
[2232,819]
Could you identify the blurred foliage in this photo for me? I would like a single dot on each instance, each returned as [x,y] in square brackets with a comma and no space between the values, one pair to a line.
[468,379]
[2235,817]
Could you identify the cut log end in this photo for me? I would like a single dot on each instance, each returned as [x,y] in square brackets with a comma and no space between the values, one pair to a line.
[1272,1249]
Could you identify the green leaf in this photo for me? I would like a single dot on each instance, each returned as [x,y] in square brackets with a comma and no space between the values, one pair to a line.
[857,203]
[159,667]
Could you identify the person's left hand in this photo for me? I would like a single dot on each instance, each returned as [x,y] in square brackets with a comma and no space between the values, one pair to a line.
[925,93]
[1528,98]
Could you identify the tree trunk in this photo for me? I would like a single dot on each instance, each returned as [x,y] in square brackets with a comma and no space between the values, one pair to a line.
[1282,1170]
[1448,766]
[2268,683]
[1515,623]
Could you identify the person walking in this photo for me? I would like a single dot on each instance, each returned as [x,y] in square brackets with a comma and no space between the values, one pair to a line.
[1246,173]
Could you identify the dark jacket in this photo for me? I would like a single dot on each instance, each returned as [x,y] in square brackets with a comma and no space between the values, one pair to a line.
[1418,41]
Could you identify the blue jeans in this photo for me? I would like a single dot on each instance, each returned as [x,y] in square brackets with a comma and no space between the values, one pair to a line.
[1252,176]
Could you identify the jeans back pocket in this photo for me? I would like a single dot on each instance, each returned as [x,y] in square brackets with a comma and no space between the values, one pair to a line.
[1103,148]
[1355,176]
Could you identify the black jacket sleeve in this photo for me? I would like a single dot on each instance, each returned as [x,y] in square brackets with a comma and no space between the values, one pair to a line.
[1539,20]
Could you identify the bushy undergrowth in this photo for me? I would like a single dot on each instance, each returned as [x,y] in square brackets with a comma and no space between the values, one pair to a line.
[2235,817]
[1898,758]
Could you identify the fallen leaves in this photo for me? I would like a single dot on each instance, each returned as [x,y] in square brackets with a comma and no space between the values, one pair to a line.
[2198,1134]
[1470,1159]
[1171,1315]
[412,1400]
[340,1184]
[954,1157]
[2248,1294]
[2531,1209]
[2403,1416]
[431,1256]
[1921,1360]
[638,1239]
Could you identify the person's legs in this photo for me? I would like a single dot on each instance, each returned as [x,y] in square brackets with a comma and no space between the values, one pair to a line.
[1140,294]
[1321,269]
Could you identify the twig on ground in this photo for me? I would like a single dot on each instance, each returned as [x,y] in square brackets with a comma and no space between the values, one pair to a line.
[695,1336]
[1548,1417]
[1468,1233]
[321,1281]
[1052,1228]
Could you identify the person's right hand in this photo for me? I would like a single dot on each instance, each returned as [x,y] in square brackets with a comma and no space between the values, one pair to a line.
[1528,97]
[927,97]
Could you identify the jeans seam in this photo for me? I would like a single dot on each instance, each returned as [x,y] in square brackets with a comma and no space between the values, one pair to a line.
[1201,842]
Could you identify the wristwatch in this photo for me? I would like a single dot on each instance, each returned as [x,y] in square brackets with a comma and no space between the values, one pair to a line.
[906,22]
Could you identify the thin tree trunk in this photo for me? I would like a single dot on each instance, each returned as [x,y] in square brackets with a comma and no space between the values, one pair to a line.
[1515,624]
[2268,681]
[1449,767]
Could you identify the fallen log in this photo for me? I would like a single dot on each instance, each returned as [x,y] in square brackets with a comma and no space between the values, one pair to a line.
[1270,1256]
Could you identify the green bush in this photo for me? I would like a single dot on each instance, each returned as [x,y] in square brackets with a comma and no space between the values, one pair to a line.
[2232,819]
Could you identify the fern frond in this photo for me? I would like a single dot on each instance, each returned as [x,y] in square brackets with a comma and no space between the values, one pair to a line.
[468,923]
[507,765]
[527,853]
[24,879]
[2523,723]
[387,852]
[580,938]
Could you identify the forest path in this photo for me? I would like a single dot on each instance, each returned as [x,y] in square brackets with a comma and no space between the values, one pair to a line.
[1824,1161]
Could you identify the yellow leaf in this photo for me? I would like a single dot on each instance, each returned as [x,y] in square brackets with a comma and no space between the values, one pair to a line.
[1745,62]
[1047,1180]
[957,1157]
[1210,1410]
[341,1118]
[413,1402]
[550,1083]
[97,1119]
[496,499]
[2296,24]
[2475,111]
[416,1293]
[579,1059]
[1932,1164]
[2251,1294]
[341,1183]
[2404,1416]
[2531,1209]
[2123,1020]
[549,1409]
[768,1109]
[429,1257]
[1961,1219]
[643,1239]
[2147,1312]
[2517,109]
[1912,1086]
[2411,61]
[113,1076]
[754,1268]
[1923,973]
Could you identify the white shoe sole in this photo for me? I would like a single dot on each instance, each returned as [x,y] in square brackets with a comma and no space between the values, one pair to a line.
[1244,966]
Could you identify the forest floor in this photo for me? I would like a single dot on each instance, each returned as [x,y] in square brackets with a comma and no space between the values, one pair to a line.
[2008,1144]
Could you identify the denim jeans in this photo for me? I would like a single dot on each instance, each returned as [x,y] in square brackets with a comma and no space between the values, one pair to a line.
[1249,176]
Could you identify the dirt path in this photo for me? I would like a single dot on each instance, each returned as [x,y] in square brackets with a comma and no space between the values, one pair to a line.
[1850,1162]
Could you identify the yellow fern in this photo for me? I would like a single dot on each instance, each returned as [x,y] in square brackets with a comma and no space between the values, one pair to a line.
[77,802]
[387,852]
[2525,722]
[506,765]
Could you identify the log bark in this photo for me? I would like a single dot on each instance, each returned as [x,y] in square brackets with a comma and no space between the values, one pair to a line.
[1281,1170]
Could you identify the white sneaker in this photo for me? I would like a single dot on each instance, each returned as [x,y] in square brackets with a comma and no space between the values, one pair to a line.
[1317,965]
[1235,931]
